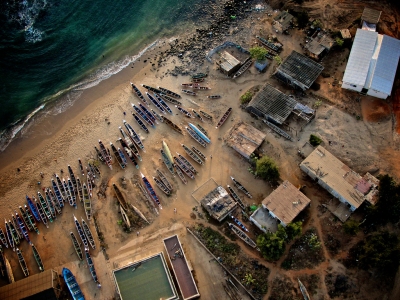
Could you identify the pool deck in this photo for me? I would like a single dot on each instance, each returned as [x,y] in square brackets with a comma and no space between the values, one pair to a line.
[180,268]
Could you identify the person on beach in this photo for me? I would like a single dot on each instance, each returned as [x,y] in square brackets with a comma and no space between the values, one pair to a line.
[137,233]
[175,210]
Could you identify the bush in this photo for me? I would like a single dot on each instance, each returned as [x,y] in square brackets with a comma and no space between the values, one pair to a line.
[339,42]
[258,53]
[351,227]
[271,246]
[314,140]
[246,97]
[267,169]
[278,59]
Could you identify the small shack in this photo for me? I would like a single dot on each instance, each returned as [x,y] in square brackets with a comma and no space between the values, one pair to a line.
[319,46]
[345,33]
[228,64]
[282,21]
[261,66]
[285,203]
[371,16]
[180,267]
[244,138]
[45,285]
[298,71]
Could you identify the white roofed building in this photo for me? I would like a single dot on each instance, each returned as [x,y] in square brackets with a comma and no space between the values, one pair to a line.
[372,64]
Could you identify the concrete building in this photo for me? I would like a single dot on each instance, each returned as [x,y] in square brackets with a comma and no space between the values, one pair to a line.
[244,138]
[283,204]
[319,46]
[228,64]
[339,180]
[370,18]
[218,203]
[298,71]
[372,64]
[282,21]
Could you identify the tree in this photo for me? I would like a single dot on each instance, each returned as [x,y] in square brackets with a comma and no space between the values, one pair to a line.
[351,227]
[293,230]
[302,19]
[258,53]
[314,140]
[246,97]
[317,24]
[267,169]
[339,41]
[271,246]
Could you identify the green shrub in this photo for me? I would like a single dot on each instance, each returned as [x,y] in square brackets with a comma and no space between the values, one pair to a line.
[258,53]
[246,97]
[266,168]
[351,227]
[314,140]
[339,41]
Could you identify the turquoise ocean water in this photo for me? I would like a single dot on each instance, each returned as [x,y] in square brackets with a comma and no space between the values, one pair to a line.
[51,48]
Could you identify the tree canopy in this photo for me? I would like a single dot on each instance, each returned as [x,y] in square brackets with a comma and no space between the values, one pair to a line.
[258,53]
[266,168]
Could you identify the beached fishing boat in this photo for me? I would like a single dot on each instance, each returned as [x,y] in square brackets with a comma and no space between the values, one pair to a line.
[94,168]
[87,204]
[241,187]
[224,117]
[3,238]
[240,224]
[2,263]
[198,87]
[130,143]
[125,217]
[33,208]
[139,94]
[81,167]
[22,263]
[129,153]
[183,167]
[236,197]
[242,235]
[151,191]
[91,266]
[167,151]
[191,93]
[99,155]
[198,152]
[139,121]
[31,218]
[157,116]
[180,174]
[81,232]
[89,186]
[148,113]
[163,104]
[214,96]
[200,133]
[197,80]
[164,179]
[202,129]
[206,115]
[172,125]
[187,163]
[77,245]
[118,156]
[10,236]
[150,88]
[16,227]
[71,193]
[162,186]
[139,213]
[72,284]
[73,178]
[52,197]
[27,222]
[197,115]
[80,191]
[22,227]
[50,204]
[193,155]
[9,271]
[135,137]
[42,214]
[243,68]
[199,75]
[38,259]
[120,197]
[122,155]
[45,207]
[62,189]
[156,103]
[57,193]
[196,137]
[169,93]
[303,290]
[143,115]
[88,234]
[190,84]
[106,155]
[167,162]
[15,236]
[169,99]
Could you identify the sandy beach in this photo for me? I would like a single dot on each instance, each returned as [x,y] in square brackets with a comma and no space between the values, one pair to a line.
[54,142]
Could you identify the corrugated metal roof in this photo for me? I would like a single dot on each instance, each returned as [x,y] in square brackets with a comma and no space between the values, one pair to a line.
[386,65]
[360,57]
[229,61]
[371,15]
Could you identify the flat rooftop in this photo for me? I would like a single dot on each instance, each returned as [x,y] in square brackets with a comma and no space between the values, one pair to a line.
[286,202]
[371,15]
[148,278]
[228,61]
[244,138]
[180,267]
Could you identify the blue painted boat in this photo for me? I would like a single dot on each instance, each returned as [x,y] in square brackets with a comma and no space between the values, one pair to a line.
[23,228]
[72,284]
[33,209]
[199,133]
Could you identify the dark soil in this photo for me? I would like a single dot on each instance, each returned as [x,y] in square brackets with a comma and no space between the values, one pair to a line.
[283,289]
